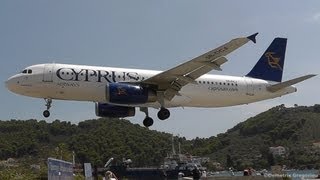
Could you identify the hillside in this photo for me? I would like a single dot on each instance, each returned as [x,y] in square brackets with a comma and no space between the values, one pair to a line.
[95,141]
[92,140]
[247,144]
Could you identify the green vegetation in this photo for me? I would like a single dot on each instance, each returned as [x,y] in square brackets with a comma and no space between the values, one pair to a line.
[92,141]
[95,141]
[296,129]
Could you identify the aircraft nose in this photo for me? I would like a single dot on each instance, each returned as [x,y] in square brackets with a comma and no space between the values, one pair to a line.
[11,84]
[8,83]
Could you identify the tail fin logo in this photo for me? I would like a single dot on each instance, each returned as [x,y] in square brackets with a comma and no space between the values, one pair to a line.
[273,61]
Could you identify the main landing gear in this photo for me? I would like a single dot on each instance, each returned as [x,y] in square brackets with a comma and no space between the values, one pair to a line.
[46,113]
[148,121]
[162,115]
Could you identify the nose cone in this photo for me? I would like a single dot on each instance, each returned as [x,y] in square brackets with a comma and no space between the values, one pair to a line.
[9,84]
[12,84]
[6,83]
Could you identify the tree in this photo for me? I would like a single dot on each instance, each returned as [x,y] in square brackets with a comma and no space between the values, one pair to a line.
[229,161]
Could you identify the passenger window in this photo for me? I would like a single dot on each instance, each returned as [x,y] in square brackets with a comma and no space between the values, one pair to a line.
[29,71]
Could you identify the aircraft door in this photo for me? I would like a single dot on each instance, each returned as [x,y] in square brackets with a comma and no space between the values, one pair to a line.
[250,88]
[48,73]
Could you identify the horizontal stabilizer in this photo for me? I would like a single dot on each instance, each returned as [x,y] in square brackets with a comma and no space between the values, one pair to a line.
[279,86]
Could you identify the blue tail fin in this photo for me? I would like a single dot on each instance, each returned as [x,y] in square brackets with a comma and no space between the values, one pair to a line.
[270,65]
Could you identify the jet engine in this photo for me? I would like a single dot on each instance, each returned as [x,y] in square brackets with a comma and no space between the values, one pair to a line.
[125,93]
[108,110]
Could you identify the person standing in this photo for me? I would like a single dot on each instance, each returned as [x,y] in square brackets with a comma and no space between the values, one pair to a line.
[110,176]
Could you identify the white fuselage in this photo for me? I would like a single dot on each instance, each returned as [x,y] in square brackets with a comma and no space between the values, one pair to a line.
[88,83]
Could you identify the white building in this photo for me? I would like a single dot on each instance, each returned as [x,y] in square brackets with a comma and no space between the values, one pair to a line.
[278,151]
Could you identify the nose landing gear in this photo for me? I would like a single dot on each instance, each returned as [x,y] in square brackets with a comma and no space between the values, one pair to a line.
[46,113]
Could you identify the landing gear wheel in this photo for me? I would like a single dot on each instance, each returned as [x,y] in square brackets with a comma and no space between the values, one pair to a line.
[46,113]
[147,122]
[163,114]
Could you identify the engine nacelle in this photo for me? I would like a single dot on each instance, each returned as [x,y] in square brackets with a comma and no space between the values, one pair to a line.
[125,93]
[108,110]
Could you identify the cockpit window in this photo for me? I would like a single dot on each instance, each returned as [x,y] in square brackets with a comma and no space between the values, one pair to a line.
[29,71]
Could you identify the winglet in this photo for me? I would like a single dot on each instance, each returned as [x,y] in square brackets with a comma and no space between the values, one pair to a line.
[253,37]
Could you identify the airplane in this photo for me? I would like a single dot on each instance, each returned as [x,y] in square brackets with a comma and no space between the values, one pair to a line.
[117,92]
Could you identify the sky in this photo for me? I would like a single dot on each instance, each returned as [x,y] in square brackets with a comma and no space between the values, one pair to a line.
[157,35]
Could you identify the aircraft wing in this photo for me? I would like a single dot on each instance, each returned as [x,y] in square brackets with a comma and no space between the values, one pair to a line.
[172,80]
